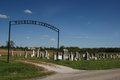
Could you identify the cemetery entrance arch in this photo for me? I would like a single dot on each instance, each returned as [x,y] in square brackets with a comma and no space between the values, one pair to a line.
[17,22]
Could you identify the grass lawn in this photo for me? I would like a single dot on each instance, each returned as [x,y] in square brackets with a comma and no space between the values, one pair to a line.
[16,71]
[91,64]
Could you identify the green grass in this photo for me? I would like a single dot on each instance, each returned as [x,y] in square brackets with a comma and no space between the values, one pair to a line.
[16,71]
[91,64]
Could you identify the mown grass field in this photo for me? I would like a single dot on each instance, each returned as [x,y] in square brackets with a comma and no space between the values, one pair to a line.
[91,64]
[16,71]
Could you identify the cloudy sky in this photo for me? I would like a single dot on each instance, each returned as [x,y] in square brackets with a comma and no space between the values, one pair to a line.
[82,23]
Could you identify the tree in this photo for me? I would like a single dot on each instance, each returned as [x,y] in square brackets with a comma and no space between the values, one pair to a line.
[62,47]
[11,43]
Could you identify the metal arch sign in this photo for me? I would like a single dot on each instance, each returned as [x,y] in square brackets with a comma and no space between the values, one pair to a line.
[35,23]
[17,22]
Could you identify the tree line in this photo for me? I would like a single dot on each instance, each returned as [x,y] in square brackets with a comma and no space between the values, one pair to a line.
[70,49]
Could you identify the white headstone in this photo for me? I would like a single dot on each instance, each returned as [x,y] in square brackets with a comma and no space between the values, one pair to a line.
[79,57]
[63,56]
[59,57]
[17,55]
[20,54]
[119,56]
[71,56]
[42,56]
[33,53]
[95,58]
[12,53]
[75,59]
[40,53]
[25,54]
[55,57]
[87,56]
[68,56]
[45,53]
[0,54]
[37,53]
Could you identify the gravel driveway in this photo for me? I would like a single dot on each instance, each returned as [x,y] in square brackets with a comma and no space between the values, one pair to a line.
[66,73]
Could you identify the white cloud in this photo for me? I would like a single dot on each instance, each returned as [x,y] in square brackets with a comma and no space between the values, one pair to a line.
[28,37]
[89,22]
[4,16]
[105,22]
[46,35]
[52,39]
[42,38]
[27,11]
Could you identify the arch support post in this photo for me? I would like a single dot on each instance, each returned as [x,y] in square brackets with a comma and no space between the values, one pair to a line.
[9,41]
[58,40]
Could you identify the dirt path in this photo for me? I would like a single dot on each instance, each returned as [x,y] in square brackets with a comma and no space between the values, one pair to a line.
[66,73]
[52,67]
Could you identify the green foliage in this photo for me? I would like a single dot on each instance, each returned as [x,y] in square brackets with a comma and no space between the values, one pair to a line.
[11,44]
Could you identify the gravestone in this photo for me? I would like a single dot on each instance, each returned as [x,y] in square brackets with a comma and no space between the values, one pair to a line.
[99,57]
[71,56]
[37,55]
[60,57]
[20,54]
[79,57]
[0,55]
[92,55]
[11,53]
[103,56]
[110,56]
[48,56]
[83,55]
[95,58]
[65,52]
[106,55]
[68,56]
[75,59]
[17,55]
[55,57]
[63,56]
[119,56]
[42,56]
[25,54]
[76,54]
[40,53]
[113,57]
[33,53]
[46,53]
[87,56]
[96,55]
[61,53]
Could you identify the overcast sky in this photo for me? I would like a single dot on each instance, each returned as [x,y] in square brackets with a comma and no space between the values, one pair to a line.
[82,23]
